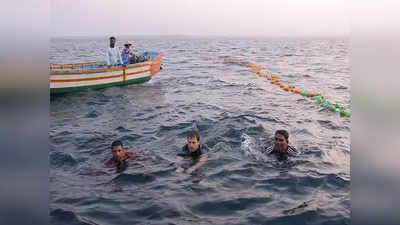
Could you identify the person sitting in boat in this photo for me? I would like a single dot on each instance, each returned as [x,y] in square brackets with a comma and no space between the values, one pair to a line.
[143,58]
[281,146]
[193,151]
[119,156]
[113,55]
[128,57]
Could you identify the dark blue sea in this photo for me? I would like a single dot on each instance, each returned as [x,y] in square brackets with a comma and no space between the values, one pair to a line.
[236,113]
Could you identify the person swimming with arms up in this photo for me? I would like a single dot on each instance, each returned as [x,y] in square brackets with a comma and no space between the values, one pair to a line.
[120,156]
[192,150]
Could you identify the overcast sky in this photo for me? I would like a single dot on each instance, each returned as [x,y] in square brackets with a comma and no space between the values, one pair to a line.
[200,17]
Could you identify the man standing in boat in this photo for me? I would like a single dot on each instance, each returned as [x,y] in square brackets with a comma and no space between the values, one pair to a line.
[113,54]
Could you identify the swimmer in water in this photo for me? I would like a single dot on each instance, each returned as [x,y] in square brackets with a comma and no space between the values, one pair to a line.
[119,156]
[192,150]
[281,146]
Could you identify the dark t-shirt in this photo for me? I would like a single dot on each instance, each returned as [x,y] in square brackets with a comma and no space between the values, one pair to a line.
[186,153]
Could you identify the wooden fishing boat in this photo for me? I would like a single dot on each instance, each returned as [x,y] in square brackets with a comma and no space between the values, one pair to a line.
[94,75]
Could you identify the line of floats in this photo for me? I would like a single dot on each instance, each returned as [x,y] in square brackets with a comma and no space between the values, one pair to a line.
[273,78]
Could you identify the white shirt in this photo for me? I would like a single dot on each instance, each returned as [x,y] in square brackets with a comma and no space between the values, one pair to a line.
[113,55]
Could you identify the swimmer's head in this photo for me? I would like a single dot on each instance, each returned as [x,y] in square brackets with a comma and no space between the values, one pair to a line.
[281,140]
[117,149]
[193,138]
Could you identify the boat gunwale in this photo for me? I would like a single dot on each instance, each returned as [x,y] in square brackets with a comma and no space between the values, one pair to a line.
[124,75]
[100,70]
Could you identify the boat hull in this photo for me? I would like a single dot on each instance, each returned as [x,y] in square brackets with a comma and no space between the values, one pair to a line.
[98,86]
[72,79]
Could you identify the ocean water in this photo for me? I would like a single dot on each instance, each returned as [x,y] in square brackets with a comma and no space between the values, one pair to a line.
[236,113]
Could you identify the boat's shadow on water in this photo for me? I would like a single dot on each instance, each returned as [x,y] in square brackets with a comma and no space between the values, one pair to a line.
[150,89]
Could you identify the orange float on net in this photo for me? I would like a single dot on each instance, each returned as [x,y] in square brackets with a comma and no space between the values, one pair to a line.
[286,89]
[298,91]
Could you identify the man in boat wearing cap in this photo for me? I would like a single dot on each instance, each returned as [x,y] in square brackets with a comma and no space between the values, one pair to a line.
[281,146]
[113,55]
[192,151]
[128,57]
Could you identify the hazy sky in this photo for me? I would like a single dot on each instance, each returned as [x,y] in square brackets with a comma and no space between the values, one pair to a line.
[200,17]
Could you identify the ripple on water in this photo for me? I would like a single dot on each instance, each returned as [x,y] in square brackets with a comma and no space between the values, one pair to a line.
[133,178]
[60,159]
[228,207]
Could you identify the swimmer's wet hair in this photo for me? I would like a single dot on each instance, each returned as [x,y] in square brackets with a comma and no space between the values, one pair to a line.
[283,133]
[116,143]
[193,133]
[112,38]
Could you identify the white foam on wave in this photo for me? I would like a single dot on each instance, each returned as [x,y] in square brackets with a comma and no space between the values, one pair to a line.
[249,147]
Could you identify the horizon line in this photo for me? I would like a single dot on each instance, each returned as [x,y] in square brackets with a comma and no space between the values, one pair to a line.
[201,35]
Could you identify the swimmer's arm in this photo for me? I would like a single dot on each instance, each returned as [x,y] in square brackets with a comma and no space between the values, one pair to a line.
[293,151]
[202,160]
[269,150]
[135,155]
[179,162]
[109,162]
